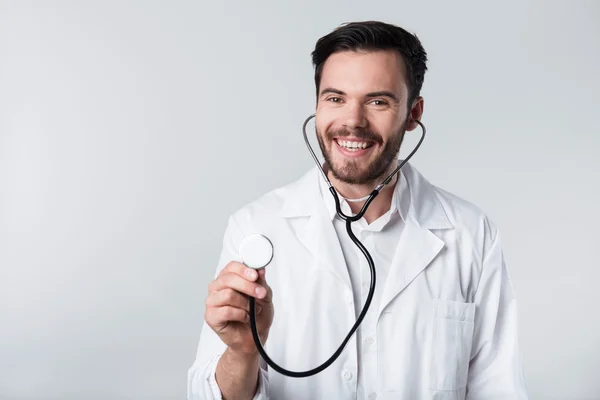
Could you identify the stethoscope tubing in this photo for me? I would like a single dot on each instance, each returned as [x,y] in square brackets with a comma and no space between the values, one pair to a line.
[349,219]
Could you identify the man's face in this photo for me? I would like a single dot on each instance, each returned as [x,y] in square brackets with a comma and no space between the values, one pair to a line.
[361,114]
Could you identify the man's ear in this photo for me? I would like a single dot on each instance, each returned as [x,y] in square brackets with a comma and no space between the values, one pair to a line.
[416,112]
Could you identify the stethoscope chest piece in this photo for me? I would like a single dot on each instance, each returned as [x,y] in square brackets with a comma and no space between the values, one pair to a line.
[256,251]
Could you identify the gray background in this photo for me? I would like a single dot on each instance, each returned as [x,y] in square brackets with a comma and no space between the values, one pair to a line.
[130,130]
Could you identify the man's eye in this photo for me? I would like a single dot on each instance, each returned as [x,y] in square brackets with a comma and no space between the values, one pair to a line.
[379,102]
[335,99]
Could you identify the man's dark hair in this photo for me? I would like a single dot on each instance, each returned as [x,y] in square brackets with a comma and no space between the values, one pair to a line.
[371,36]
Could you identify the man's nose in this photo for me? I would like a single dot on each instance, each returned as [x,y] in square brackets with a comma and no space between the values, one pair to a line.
[355,117]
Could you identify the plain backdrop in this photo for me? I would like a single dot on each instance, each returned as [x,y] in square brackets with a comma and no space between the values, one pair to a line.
[131,130]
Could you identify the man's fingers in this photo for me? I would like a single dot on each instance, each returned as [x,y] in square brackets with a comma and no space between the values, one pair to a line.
[231,314]
[262,281]
[219,317]
[236,268]
[228,297]
[236,282]
[241,270]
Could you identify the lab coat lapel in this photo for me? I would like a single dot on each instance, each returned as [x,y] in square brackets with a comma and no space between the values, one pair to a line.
[315,230]
[319,236]
[417,247]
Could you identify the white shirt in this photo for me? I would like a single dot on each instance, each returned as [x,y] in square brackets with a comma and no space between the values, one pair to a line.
[444,323]
[381,238]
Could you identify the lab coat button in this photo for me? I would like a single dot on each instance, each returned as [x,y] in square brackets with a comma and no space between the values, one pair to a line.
[347,375]
[370,340]
[372,396]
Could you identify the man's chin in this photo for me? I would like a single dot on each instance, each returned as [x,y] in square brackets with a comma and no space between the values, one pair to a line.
[352,178]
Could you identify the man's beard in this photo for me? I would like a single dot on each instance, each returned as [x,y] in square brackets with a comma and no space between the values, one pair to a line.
[350,172]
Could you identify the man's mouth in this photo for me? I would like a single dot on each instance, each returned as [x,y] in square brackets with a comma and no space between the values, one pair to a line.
[353,145]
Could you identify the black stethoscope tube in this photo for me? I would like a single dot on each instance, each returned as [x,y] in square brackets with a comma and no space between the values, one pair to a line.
[349,220]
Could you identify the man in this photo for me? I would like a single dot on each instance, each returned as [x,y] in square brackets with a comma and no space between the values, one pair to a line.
[443,320]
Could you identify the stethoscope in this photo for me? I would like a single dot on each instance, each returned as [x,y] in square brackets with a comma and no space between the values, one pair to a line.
[256,251]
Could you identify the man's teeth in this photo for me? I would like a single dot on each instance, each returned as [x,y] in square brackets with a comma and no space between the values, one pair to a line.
[353,145]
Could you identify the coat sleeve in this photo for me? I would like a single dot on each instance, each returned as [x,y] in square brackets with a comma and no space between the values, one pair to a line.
[496,370]
[201,383]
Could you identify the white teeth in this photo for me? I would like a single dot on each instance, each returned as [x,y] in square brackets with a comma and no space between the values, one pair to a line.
[352,145]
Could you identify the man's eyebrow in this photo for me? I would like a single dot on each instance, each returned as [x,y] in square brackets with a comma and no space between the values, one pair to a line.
[332,90]
[381,93]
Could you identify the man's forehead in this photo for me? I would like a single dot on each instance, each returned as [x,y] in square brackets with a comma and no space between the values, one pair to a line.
[364,70]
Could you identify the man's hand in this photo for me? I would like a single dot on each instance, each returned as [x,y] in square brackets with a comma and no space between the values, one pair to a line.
[227,307]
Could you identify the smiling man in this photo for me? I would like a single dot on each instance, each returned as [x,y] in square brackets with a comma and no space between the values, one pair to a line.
[364,107]
[443,317]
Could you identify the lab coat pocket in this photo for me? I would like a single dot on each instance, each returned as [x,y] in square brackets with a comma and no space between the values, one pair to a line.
[452,335]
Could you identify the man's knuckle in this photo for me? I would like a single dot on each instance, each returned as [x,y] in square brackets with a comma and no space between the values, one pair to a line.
[226,314]
[232,266]
[210,318]
[226,279]
[229,295]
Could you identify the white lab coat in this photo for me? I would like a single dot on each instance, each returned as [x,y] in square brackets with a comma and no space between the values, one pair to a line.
[447,322]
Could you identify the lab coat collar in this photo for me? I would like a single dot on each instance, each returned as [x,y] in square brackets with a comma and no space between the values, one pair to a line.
[304,198]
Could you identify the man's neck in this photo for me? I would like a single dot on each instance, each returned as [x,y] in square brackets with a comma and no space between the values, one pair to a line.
[379,206]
